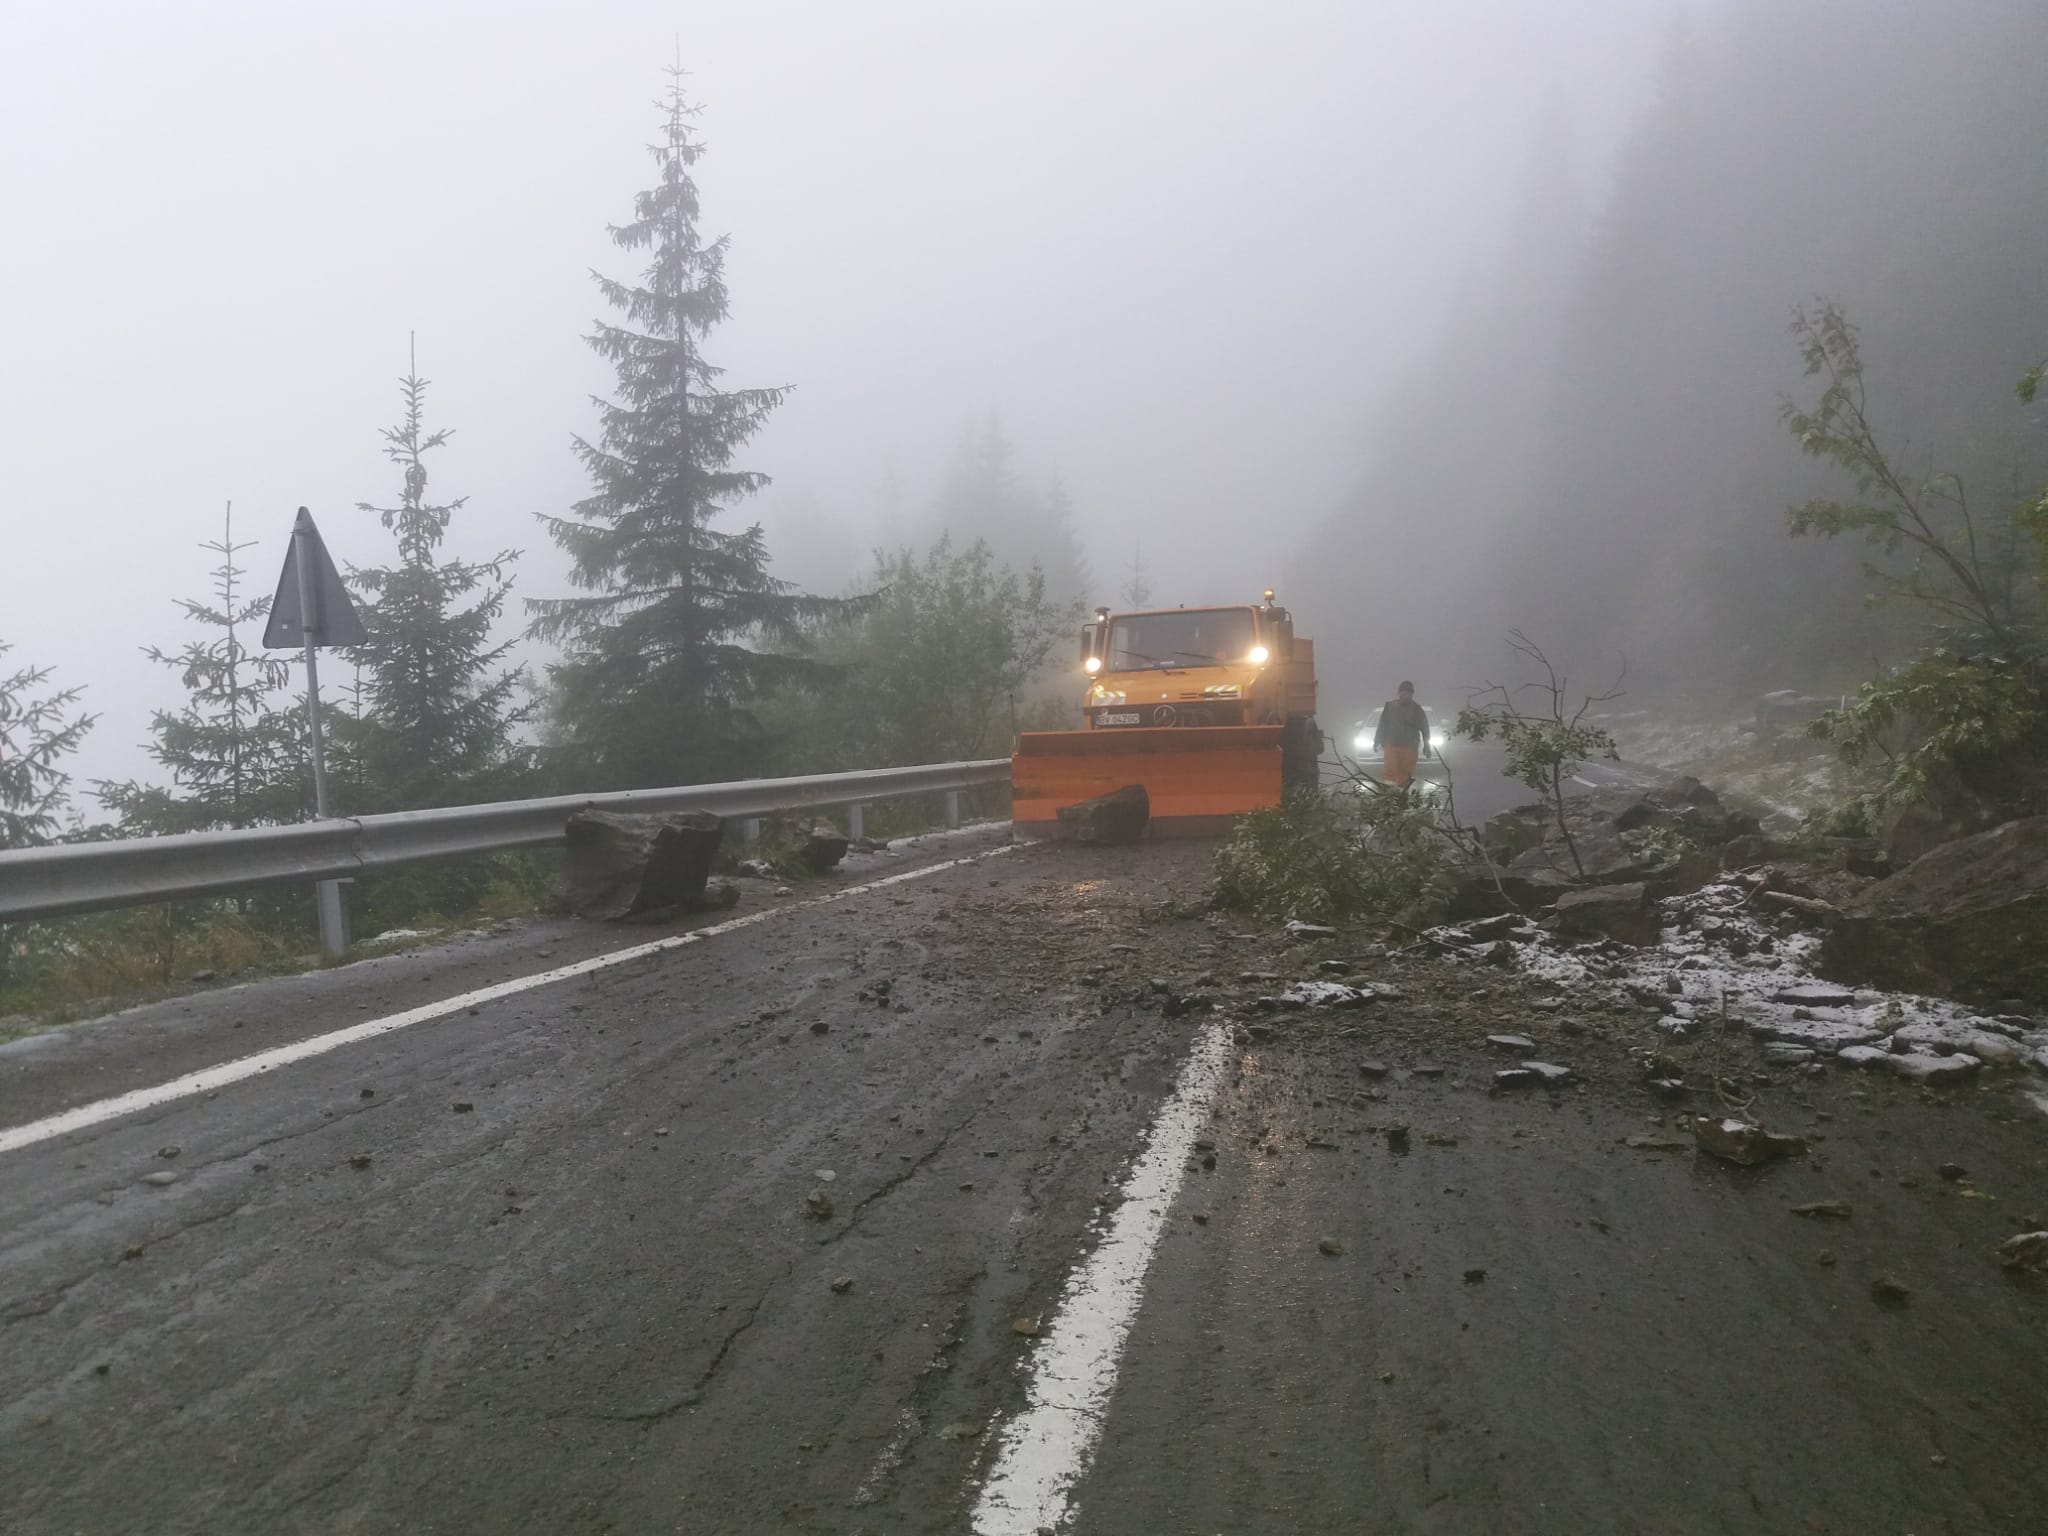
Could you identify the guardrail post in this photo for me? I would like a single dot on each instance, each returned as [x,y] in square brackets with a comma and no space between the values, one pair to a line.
[333,920]
[952,807]
[856,820]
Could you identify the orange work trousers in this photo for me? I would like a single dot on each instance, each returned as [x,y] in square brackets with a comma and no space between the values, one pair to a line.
[1400,766]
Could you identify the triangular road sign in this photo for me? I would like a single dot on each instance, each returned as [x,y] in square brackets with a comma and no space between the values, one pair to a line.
[334,620]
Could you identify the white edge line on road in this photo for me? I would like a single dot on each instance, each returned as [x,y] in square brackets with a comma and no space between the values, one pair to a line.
[212,1078]
[1042,1453]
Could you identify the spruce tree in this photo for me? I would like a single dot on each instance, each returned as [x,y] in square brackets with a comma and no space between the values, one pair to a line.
[436,705]
[37,731]
[236,754]
[1137,590]
[983,499]
[658,678]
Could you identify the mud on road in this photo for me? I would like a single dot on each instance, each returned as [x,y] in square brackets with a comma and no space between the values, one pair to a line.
[738,1238]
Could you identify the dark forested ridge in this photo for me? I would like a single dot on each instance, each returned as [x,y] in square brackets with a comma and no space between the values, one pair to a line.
[1595,455]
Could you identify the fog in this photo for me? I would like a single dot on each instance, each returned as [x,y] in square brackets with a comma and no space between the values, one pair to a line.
[1592,450]
[1179,251]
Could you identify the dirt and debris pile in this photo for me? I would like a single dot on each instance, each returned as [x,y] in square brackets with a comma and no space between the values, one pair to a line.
[1740,955]
[1668,839]
[1967,920]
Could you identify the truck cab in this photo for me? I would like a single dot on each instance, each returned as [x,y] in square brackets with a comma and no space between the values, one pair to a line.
[1236,665]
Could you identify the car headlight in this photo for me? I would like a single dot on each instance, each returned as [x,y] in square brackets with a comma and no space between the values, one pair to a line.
[1362,742]
[1436,741]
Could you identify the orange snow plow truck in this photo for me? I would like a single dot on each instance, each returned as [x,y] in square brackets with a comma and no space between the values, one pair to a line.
[1211,711]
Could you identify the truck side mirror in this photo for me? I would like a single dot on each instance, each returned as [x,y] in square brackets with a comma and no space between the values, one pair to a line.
[1090,635]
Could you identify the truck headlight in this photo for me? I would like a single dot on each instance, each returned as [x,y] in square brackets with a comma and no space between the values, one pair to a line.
[1257,656]
[1092,665]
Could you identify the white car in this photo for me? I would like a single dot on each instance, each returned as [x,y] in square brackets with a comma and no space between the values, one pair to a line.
[1362,750]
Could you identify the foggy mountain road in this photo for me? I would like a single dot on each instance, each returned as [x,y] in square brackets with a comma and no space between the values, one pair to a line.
[770,1233]
[747,394]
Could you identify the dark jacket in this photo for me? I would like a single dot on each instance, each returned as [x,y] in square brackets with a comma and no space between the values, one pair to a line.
[1401,725]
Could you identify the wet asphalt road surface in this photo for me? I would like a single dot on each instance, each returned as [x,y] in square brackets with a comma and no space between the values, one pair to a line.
[574,1263]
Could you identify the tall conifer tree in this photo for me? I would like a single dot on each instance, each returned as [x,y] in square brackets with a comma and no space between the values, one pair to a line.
[661,665]
[437,705]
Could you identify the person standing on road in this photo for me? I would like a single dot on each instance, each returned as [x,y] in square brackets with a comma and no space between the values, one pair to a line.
[1403,732]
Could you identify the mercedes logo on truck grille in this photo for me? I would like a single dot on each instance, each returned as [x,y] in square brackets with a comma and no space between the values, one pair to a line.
[1165,714]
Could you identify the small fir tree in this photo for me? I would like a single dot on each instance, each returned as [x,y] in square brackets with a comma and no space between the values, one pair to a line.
[37,732]
[437,706]
[1137,590]
[235,752]
[659,678]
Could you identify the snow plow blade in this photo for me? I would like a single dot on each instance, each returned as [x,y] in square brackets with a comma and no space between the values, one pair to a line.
[1199,778]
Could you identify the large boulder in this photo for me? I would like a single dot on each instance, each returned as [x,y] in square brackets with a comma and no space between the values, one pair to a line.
[1120,816]
[634,866]
[821,844]
[1968,920]
[1958,800]
[1623,912]
[1480,892]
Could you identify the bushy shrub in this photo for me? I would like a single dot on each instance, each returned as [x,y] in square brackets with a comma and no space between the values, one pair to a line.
[1330,858]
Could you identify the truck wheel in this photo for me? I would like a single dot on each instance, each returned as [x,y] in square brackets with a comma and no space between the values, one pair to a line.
[1301,750]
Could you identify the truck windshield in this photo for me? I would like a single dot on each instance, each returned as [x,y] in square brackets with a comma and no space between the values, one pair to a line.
[1187,637]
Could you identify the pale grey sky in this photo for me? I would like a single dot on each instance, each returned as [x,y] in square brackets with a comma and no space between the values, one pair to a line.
[1183,248]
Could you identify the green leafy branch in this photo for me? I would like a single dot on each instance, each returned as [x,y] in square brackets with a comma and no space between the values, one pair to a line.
[1545,746]
[1930,522]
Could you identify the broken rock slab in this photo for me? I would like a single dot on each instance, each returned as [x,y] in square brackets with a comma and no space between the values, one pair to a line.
[1744,1143]
[1815,995]
[622,866]
[1322,994]
[1532,1074]
[1782,1053]
[1914,1066]
[1919,1067]
[1819,1034]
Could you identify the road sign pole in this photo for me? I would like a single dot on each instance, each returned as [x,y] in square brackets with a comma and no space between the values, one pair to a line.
[333,920]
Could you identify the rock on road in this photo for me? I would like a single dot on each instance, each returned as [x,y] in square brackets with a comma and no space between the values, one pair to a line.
[763,1234]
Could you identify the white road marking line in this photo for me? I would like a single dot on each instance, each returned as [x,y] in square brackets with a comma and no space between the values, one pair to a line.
[1587,782]
[1043,1452]
[212,1078]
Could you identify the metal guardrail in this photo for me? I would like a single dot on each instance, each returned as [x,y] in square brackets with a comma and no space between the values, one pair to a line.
[91,877]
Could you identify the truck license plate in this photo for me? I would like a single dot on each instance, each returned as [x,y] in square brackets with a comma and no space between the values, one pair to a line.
[1117,717]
